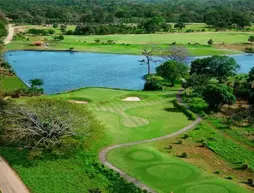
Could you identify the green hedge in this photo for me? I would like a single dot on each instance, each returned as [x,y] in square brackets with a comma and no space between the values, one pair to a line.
[186,111]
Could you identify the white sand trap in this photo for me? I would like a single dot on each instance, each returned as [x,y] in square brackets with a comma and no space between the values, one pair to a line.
[78,102]
[132,99]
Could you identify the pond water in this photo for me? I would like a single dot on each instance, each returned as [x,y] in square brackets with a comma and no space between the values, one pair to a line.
[63,71]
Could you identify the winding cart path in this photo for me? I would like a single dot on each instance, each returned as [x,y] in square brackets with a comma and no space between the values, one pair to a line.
[104,152]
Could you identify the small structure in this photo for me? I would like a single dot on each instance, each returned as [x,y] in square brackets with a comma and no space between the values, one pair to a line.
[38,43]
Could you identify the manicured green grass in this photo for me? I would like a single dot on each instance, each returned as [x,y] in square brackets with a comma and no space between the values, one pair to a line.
[169,38]
[134,43]
[153,116]
[10,83]
[166,173]
[136,49]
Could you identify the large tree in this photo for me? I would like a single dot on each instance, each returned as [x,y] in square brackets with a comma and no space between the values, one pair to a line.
[172,70]
[43,123]
[218,95]
[148,52]
[219,67]
[178,53]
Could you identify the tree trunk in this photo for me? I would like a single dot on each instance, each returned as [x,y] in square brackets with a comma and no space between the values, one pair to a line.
[149,68]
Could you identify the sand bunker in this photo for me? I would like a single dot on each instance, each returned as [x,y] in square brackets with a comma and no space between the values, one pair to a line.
[78,102]
[131,99]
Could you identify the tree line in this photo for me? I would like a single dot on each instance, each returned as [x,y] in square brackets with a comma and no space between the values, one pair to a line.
[218,13]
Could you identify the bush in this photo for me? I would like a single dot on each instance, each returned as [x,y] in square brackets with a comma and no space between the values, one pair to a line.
[229,177]
[187,112]
[180,141]
[217,172]
[196,104]
[250,182]
[153,82]
[249,50]
[184,155]
[186,136]
[245,166]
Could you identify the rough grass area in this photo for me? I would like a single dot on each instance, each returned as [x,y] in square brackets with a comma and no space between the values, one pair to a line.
[241,134]
[10,83]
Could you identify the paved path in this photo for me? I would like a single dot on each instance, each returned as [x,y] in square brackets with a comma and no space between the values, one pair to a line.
[104,152]
[10,34]
[9,180]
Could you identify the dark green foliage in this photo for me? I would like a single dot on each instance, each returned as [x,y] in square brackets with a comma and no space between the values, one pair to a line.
[249,50]
[153,82]
[251,39]
[219,67]
[36,83]
[187,112]
[250,182]
[184,155]
[218,13]
[210,42]
[172,70]
[218,95]
[95,190]
[196,104]
[179,25]
[229,177]
[186,136]
[43,32]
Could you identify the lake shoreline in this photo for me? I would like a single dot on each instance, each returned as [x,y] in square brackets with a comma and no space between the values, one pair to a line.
[64,71]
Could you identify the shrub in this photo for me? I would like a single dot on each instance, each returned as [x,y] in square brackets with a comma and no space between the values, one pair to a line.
[250,182]
[229,177]
[153,82]
[187,112]
[55,25]
[180,141]
[217,172]
[95,190]
[210,42]
[245,166]
[249,50]
[184,155]
[186,136]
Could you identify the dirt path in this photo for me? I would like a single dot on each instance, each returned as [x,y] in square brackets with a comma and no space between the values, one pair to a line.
[10,34]
[104,152]
[9,180]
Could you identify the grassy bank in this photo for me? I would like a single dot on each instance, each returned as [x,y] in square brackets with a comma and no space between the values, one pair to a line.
[10,83]
[196,42]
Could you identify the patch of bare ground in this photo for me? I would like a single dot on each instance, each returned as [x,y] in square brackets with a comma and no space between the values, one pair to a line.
[78,102]
[239,47]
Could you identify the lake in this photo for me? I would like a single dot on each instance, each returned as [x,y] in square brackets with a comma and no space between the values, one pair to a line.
[64,71]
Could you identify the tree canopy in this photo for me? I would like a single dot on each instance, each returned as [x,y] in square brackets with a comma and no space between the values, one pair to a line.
[172,70]
[220,13]
[219,67]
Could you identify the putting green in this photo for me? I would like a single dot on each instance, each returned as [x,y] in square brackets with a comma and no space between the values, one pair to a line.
[174,171]
[207,188]
[166,173]
[141,155]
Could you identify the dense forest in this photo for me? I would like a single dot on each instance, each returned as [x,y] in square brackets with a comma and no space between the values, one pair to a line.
[220,13]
